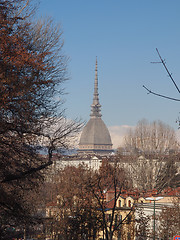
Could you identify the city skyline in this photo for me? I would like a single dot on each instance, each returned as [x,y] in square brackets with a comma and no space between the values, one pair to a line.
[123,36]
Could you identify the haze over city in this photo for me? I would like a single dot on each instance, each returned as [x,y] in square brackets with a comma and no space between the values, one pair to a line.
[124,36]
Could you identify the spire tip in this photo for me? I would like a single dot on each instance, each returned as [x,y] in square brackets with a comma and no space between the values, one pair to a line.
[95,111]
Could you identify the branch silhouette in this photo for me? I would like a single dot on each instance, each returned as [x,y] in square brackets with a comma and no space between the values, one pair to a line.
[160,95]
[172,79]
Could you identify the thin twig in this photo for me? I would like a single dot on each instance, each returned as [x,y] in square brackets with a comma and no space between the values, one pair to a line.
[23,8]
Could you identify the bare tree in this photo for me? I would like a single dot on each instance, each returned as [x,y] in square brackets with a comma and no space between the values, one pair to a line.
[113,178]
[169,176]
[82,206]
[151,138]
[149,147]
[142,225]
[77,214]
[32,71]
[169,221]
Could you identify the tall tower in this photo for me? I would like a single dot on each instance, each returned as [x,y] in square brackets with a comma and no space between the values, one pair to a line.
[95,137]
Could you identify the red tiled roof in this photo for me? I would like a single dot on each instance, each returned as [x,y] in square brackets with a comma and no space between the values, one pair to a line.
[171,192]
[137,194]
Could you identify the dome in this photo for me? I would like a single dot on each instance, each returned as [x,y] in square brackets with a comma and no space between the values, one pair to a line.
[95,138]
[95,133]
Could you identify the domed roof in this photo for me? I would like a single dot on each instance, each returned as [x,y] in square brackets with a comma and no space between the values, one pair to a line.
[95,133]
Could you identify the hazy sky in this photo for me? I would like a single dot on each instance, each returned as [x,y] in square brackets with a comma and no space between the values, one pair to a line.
[123,35]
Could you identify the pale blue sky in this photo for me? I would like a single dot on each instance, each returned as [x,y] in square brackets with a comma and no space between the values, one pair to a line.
[123,35]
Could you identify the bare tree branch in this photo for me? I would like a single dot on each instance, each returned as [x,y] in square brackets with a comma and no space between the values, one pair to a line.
[12,177]
[23,8]
[172,79]
[169,74]
[160,95]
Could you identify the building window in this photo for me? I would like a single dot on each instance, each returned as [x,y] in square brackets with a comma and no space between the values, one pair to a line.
[129,203]
[119,203]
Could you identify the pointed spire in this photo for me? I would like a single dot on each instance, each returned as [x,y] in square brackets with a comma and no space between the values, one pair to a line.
[96,107]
